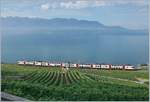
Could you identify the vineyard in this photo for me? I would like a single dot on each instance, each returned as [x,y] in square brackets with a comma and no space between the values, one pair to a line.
[56,84]
[55,78]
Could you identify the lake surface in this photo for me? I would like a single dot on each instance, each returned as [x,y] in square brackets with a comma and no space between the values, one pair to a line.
[74,46]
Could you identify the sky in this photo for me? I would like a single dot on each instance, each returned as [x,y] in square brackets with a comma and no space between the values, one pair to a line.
[132,14]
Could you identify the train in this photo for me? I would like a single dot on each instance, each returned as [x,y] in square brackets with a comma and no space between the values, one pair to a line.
[74,65]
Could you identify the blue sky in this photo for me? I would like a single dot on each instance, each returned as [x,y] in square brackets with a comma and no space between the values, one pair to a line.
[131,14]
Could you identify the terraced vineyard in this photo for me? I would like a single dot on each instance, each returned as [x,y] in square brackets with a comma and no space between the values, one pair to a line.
[49,84]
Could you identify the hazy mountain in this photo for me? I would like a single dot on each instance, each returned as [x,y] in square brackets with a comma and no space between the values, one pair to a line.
[71,39]
[50,23]
[21,23]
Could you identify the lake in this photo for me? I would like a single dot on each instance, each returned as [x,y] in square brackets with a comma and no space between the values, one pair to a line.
[79,46]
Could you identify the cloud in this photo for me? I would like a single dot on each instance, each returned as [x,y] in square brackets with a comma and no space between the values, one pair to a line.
[77,4]
[45,6]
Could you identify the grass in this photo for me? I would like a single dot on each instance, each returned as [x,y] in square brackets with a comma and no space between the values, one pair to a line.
[130,75]
[52,84]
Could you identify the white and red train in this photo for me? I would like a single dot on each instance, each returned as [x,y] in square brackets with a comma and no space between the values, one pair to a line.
[73,65]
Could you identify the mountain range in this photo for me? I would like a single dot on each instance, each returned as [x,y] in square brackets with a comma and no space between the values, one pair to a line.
[71,40]
[62,23]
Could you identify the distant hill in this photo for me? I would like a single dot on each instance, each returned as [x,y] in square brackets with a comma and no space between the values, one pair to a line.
[50,23]
[71,39]
[63,23]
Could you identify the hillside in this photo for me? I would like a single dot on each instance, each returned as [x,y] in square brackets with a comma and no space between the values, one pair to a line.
[54,84]
[62,23]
